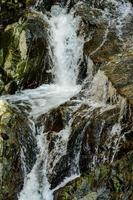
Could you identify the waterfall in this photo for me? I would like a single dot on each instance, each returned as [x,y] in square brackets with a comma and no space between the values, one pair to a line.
[63,43]
[67,47]
[66,52]
[94,96]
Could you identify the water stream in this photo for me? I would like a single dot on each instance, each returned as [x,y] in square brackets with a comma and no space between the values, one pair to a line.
[66,53]
[63,43]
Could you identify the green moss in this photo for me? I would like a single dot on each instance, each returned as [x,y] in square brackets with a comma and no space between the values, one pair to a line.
[112,181]
[24,51]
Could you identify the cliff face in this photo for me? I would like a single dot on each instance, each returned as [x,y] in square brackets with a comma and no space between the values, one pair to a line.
[99,118]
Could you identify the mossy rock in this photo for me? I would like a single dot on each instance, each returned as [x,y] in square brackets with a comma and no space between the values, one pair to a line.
[24,54]
[15,134]
[112,181]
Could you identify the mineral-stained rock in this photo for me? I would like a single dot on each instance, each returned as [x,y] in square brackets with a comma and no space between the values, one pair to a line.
[107,30]
[53,121]
[98,134]
[109,40]
[99,141]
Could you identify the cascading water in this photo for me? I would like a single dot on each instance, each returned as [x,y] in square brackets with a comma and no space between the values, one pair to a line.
[63,43]
[66,54]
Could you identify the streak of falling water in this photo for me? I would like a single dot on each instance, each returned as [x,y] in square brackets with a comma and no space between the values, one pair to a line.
[67,47]
[32,188]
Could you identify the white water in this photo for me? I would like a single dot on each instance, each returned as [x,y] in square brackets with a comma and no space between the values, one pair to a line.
[32,188]
[44,97]
[122,10]
[63,42]
[65,49]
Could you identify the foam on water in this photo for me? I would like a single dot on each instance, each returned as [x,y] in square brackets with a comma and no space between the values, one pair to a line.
[44,97]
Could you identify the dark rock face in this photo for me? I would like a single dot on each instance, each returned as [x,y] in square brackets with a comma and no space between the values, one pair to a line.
[53,121]
[106,30]
[11,11]
[24,55]
[15,138]
[97,134]
[106,147]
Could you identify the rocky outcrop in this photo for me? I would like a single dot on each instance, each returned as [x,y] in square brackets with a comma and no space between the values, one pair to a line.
[15,140]
[107,29]
[100,140]
[111,182]
[23,53]
[99,131]
[108,32]
[120,72]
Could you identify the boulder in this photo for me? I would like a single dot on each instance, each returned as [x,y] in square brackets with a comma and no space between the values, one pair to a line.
[24,56]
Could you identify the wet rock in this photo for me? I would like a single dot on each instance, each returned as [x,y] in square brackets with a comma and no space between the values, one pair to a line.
[119,71]
[56,126]
[24,54]
[92,136]
[4,136]
[57,118]
[106,29]
[53,121]
[46,5]
[111,181]
[11,87]
[108,32]
[15,137]
[97,132]
[101,135]
[129,136]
